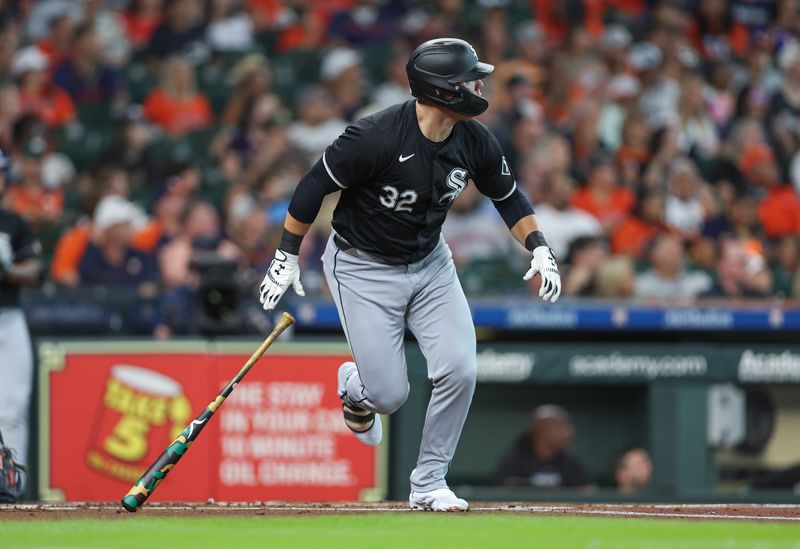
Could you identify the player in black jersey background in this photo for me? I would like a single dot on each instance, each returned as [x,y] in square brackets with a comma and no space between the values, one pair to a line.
[20,265]
[388,266]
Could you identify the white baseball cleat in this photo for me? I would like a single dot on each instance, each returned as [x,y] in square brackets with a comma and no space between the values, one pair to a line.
[366,425]
[442,499]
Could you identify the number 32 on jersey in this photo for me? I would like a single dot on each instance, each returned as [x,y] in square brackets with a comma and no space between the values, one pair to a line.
[395,200]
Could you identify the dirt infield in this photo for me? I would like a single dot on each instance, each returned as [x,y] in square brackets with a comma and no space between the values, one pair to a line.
[50,511]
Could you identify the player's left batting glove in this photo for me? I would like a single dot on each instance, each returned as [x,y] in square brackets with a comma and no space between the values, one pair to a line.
[544,263]
[283,272]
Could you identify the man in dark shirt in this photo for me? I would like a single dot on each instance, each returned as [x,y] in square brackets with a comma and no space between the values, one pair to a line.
[83,76]
[386,262]
[181,31]
[19,266]
[539,458]
[109,260]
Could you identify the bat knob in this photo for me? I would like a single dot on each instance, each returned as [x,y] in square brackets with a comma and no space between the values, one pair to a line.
[130,504]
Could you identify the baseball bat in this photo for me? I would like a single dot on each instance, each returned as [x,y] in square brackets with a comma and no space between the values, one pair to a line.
[146,485]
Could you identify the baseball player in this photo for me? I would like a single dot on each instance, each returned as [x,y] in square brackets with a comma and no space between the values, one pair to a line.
[19,266]
[386,263]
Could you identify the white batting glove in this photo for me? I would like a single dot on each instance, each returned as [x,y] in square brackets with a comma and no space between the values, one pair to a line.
[544,263]
[283,272]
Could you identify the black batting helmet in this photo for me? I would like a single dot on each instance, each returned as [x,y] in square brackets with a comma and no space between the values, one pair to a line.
[444,64]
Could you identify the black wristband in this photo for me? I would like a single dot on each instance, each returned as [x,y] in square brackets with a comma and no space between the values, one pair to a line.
[290,242]
[534,240]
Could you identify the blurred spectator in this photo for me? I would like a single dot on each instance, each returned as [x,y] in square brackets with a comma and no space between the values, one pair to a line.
[539,458]
[520,80]
[558,18]
[633,470]
[697,135]
[784,266]
[29,197]
[181,32]
[689,201]
[260,144]
[660,93]
[183,179]
[229,26]
[601,196]
[147,236]
[109,259]
[140,19]
[164,225]
[10,110]
[343,75]
[57,42]
[615,279]
[667,280]
[176,105]
[299,25]
[370,23]
[740,220]
[9,42]
[784,108]
[471,229]
[720,100]
[586,256]
[715,33]
[641,227]
[41,15]
[200,232]
[587,149]
[132,150]
[318,123]
[622,91]
[561,222]
[110,29]
[394,89]
[779,209]
[250,233]
[741,271]
[633,153]
[250,78]
[494,42]
[84,76]
[37,94]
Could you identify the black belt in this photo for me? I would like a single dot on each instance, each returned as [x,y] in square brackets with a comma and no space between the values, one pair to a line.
[349,249]
[344,245]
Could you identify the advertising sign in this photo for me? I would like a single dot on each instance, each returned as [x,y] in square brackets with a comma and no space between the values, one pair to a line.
[108,411]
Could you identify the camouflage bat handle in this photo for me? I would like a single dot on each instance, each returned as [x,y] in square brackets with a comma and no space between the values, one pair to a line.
[145,486]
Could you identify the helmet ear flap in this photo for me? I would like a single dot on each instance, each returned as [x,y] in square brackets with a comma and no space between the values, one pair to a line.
[436,70]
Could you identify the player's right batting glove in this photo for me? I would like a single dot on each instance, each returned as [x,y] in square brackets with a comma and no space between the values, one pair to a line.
[544,263]
[282,272]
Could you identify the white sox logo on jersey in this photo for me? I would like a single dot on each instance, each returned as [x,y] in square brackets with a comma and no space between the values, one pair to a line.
[457,181]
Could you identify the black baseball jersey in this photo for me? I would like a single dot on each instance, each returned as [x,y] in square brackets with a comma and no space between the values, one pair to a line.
[397,185]
[16,244]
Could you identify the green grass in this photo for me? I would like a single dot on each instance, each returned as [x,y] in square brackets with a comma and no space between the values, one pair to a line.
[404,531]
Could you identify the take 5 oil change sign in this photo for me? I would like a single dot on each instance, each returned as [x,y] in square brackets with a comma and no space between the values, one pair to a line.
[107,411]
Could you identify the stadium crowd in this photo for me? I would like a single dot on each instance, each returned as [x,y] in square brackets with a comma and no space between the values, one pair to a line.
[149,139]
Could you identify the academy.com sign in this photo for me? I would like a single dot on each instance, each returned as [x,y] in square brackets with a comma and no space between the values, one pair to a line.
[769,367]
[638,366]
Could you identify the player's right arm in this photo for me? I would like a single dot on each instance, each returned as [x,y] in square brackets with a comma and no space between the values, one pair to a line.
[352,159]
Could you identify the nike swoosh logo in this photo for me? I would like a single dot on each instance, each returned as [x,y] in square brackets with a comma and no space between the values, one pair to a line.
[404,158]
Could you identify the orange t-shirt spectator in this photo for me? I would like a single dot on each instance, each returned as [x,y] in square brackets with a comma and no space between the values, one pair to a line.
[29,197]
[602,197]
[639,229]
[38,95]
[176,105]
[779,210]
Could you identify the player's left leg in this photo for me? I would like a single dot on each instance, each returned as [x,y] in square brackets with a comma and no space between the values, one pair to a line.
[16,371]
[440,319]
